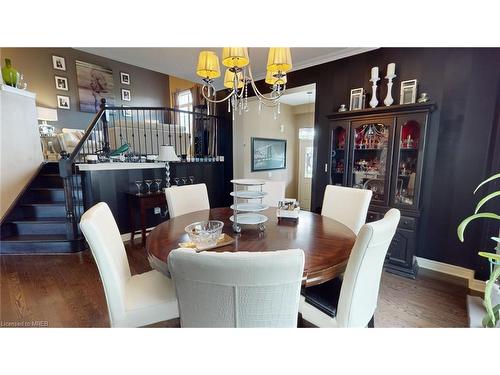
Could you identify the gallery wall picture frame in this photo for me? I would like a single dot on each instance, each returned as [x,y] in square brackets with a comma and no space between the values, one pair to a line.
[124,78]
[61,83]
[356,99]
[408,93]
[63,102]
[268,154]
[58,62]
[126,96]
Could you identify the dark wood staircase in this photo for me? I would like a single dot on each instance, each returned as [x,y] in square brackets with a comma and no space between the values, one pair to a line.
[37,222]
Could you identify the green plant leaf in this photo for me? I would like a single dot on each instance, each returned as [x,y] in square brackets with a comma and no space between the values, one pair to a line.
[487,297]
[489,255]
[487,180]
[487,322]
[496,239]
[466,221]
[486,199]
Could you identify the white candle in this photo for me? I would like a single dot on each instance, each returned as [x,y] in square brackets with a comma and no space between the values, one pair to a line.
[374,72]
[391,69]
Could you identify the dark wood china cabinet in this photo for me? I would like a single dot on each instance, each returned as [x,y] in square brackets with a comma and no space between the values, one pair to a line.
[382,149]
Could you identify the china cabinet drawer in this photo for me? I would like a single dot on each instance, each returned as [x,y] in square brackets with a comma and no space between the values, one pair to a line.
[407,223]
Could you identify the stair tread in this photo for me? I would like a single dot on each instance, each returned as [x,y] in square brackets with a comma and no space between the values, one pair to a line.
[40,220]
[50,174]
[44,203]
[35,238]
[47,188]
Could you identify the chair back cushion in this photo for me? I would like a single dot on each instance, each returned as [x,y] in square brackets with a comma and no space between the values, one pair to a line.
[183,200]
[347,205]
[359,293]
[241,289]
[102,234]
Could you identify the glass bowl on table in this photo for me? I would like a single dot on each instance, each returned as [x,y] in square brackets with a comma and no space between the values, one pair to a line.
[204,234]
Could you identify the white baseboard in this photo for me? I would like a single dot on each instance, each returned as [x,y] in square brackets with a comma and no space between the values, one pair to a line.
[126,236]
[449,269]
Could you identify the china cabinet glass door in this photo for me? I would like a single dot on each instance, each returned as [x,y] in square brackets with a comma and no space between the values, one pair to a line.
[371,157]
[409,144]
[339,154]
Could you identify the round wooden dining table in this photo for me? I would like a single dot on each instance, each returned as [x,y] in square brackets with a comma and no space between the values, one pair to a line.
[326,242]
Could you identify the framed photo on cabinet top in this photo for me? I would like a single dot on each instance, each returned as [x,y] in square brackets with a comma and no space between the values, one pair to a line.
[356,101]
[408,94]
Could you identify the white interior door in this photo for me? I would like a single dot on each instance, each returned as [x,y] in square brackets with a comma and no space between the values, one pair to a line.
[305,173]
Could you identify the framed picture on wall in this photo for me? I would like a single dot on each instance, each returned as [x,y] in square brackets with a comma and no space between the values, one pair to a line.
[63,102]
[125,78]
[268,154]
[61,83]
[94,84]
[58,63]
[126,95]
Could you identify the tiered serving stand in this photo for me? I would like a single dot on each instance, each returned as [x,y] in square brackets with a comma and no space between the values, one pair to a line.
[245,212]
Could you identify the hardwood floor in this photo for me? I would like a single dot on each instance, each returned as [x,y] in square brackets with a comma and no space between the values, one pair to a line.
[66,291]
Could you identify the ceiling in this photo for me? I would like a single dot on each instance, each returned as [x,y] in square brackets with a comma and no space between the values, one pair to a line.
[300,95]
[181,62]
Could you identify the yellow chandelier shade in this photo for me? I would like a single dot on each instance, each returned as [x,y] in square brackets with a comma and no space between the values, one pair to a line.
[229,79]
[279,60]
[235,57]
[273,79]
[208,65]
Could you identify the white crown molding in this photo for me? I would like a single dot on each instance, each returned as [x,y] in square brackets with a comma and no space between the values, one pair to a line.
[337,55]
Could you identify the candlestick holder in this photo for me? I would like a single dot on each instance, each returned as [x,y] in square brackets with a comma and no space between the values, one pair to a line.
[374,101]
[388,99]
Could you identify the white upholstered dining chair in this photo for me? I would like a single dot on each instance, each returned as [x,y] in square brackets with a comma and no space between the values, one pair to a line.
[133,301]
[359,291]
[185,199]
[241,289]
[347,205]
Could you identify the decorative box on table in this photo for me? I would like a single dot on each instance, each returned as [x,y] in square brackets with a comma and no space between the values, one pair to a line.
[288,209]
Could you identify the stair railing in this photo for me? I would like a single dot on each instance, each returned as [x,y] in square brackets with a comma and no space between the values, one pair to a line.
[134,133]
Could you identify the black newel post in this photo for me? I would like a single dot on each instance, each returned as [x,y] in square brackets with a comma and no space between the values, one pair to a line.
[66,173]
[105,146]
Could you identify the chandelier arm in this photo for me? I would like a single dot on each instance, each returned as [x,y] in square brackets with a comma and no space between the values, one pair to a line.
[262,96]
[215,101]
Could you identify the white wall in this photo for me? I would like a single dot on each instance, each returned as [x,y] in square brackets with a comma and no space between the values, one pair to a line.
[252,124]
[20,150]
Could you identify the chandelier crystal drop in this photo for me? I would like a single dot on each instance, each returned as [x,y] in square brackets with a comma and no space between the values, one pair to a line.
[238,76]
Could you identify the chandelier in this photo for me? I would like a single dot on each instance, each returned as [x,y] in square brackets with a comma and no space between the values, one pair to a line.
[238,75]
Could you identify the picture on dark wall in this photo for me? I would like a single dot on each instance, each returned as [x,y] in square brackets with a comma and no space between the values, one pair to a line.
[268,154]
[126,95]
[63,102]
[125,78]
[58,62]
[94,83]
[61,83]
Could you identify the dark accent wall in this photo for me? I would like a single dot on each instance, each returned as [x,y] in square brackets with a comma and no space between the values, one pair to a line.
[465,83]
[148,88]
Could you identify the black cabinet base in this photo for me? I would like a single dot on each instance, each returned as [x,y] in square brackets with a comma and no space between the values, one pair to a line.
[410,273]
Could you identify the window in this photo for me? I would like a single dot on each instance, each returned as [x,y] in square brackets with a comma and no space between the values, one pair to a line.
[185,103]
[185,100]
